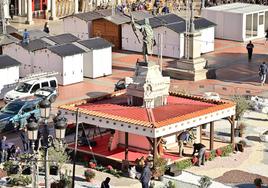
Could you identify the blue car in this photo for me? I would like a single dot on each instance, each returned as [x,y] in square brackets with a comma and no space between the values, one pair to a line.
[17,112]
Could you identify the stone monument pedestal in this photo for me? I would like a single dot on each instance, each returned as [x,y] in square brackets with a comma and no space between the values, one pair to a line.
[192,68]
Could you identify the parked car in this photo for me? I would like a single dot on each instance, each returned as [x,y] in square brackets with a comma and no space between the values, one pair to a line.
[49,93]
[28,88]
[17,112]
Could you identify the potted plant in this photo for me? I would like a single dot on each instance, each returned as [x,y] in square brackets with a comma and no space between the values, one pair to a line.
[258,182]
[205,182]
[57,157]
[65,179]
[218,152]
[89,175]
[11,167]
[160,166]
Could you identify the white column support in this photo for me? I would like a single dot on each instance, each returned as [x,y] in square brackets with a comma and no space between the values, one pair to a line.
[29,12]
[53,15]
[19,7]
[76,6]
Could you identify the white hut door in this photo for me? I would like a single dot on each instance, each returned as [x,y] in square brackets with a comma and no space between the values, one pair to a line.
[261,29]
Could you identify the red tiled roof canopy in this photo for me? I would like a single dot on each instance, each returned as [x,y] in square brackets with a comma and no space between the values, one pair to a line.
[179,108]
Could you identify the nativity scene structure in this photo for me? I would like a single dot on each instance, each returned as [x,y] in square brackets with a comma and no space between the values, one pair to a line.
[138,118]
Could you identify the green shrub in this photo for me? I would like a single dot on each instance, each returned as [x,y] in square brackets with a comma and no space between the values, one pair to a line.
[226,150]
[205,182]
[212,155]
[183,164]
[20,180]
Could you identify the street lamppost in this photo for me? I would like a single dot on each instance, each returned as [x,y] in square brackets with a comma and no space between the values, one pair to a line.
[60,124]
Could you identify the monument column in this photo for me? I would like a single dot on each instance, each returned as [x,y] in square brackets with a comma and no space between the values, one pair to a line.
[192,66]
[76,5]
[53,15]
[29,12]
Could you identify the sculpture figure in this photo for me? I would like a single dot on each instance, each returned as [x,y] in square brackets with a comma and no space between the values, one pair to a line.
[148,37]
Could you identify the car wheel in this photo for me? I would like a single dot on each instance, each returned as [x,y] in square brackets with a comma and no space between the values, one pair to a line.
[53,98]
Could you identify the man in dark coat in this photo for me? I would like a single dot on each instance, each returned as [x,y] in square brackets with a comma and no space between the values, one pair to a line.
[3,149]
[250,47]
[105,183]
[146,176]
[201,149]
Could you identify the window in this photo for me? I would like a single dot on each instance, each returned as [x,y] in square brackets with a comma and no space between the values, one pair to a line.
[28,108]
[44,84]
[53,83]
[35,87]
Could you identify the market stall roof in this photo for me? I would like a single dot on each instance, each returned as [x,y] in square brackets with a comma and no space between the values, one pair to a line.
[178,109]
[241,8]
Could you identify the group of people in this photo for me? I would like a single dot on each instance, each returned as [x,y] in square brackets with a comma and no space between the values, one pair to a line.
[156,8]
[8,152]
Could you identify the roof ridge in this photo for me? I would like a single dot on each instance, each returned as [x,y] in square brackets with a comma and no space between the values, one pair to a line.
[150,116]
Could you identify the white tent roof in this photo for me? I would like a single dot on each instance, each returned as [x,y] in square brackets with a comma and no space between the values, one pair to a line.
[240,8]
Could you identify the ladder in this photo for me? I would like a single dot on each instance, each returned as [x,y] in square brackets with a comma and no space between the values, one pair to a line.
[38,76]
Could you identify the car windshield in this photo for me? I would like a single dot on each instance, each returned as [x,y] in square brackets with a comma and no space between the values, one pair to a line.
[23,87]
[12,108]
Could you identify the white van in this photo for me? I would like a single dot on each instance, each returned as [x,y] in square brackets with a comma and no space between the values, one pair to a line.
[28,88]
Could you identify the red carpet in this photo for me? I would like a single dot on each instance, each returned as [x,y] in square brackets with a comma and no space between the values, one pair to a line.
[102,149]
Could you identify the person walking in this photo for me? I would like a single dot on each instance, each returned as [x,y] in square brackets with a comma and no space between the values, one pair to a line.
[3,149]
[46,28]
[146,175]
[183,137]
[250,47]
[105,183]
[262,73]
[201,149]
[11,11]
[26,37]
[24,139]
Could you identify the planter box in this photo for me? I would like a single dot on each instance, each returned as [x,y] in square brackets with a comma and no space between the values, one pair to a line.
[14,169]
[54,170]
[27,170]
[173,171]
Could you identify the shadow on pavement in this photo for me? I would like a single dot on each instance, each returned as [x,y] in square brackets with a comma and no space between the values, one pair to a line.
[257,119]
[254,138]
[96,94]
[247,185]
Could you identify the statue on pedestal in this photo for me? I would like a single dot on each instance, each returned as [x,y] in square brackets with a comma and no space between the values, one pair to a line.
[148,37]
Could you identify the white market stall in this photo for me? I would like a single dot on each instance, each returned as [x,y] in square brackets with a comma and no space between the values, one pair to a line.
[66,59]
[238,21]
[98,57]
[172,28]
[80,24]
[9,72]
[24,54]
